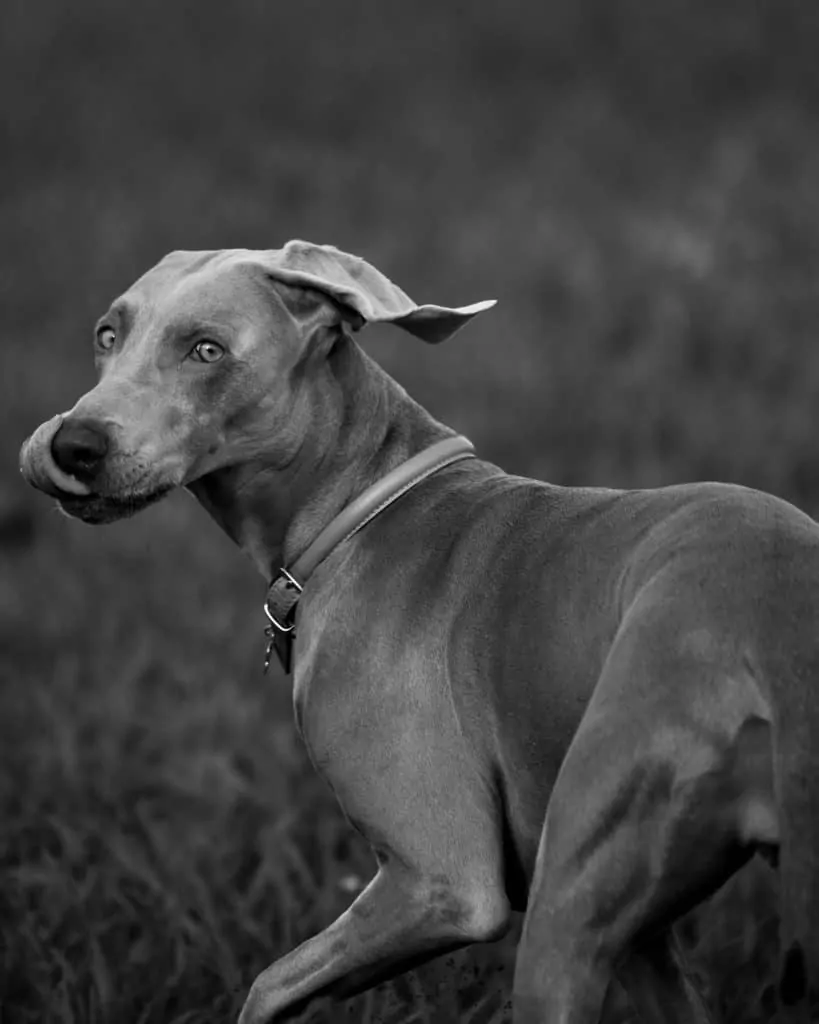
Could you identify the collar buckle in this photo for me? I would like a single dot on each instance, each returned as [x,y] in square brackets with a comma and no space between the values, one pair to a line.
[280,608]
[282,597]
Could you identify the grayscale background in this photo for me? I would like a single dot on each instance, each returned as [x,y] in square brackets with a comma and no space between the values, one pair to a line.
[636,182]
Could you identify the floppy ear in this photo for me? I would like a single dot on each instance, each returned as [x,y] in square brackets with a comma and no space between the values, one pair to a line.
[363,292]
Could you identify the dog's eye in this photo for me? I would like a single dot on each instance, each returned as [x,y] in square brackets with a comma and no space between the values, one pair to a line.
[106,338]
[207,352]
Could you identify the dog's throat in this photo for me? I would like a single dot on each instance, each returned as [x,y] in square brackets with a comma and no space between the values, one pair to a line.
[285,590]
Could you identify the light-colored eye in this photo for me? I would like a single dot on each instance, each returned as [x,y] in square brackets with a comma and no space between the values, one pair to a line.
[207,352]
[106,338]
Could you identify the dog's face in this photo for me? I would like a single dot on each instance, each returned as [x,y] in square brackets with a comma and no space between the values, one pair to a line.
[211,360]
[198,366]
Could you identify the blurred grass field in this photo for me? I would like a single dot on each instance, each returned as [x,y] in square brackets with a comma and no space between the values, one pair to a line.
[639,186]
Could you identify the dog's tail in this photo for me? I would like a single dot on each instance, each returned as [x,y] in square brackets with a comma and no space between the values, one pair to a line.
[796,782]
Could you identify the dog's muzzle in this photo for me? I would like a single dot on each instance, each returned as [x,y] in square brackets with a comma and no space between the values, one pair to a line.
[64,478]
[79,447]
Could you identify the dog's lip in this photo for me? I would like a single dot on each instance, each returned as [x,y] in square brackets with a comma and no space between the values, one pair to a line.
[38,466]
[66,486]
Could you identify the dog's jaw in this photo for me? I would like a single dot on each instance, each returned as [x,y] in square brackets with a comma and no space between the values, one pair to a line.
[96,509]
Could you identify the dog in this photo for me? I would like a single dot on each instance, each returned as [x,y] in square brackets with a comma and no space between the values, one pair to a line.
[589,705]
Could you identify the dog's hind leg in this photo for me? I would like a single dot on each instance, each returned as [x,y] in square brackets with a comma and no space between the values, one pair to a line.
[638,830]
[657,986]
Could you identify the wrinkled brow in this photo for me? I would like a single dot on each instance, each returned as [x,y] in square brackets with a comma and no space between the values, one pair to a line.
[212,321]
[121,313]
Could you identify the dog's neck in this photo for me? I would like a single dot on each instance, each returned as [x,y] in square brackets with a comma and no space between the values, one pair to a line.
[363,425]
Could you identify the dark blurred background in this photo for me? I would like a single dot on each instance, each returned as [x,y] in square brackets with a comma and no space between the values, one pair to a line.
[635,182]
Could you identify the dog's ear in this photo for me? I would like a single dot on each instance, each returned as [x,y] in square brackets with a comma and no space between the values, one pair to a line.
[363,294]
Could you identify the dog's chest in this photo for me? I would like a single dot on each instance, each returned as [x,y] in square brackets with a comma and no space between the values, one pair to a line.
[378,737]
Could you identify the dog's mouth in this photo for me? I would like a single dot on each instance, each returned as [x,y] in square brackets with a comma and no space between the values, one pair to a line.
[107,508]
[75,497]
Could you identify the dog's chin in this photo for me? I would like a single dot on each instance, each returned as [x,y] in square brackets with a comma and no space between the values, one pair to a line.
[96,509]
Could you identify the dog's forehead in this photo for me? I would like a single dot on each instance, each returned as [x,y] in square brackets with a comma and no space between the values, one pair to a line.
[198,282]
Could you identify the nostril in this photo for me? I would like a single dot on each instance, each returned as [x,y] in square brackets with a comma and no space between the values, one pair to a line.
[79,446]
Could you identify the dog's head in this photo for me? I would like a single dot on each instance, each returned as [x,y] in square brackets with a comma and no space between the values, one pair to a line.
[203,364]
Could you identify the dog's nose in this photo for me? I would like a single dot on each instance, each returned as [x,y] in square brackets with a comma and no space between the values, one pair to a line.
[78,448]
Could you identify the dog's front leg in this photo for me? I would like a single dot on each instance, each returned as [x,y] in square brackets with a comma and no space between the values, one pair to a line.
[400,920]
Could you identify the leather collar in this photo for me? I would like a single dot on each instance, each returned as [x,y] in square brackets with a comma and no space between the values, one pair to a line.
[285,590]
